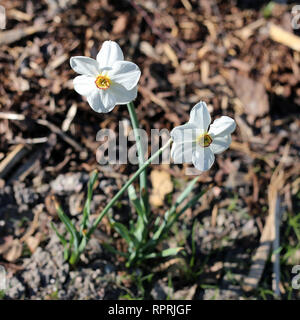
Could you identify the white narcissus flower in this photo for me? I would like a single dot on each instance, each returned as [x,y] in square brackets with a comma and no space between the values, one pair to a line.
[108,80]
[197,141]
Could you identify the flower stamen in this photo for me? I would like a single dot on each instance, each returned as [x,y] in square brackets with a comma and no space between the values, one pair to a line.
[204,140]
[103,82]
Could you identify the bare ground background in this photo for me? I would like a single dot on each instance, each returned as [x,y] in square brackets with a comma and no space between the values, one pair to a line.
[241,57]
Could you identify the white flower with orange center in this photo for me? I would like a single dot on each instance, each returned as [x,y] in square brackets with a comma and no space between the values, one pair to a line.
[108,80]
[198,141]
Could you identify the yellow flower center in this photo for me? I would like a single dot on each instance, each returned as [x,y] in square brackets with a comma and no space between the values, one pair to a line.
[204,140]
[103,82]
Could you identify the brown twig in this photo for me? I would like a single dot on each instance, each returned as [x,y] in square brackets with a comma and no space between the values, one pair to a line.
[18,153]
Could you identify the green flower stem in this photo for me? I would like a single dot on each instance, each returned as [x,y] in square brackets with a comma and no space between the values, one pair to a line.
[126,186]
[140,150]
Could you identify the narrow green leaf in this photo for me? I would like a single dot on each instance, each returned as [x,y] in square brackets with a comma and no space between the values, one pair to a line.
[125,187]
[139,229]
[82,244]
[163,254]
[131,193]
[74,257]
[70,227]
[191,203]
[168,215]
[140,149]
[113,250]
[136,203]
[61,238]
[66,253]
[124,232]
[87,206]
[186,192]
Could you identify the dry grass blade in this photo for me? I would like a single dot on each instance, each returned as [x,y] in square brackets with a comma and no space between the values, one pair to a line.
[269,233]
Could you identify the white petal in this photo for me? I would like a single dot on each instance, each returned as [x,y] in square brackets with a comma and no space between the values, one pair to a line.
[220,144]
[186,132]
[125,73]
[203,158]
[182,152]
[122,95]
[85,65]
[95,101]
[84,85]
[109,54]
[222,126]
[200,116]
[108,99]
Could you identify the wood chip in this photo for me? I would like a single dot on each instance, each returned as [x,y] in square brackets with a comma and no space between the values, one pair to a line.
[149,51]
[170,53]
[214,215]
[252,94]
[14,251]
[162,185]
[32,243]
[120,24]
[19,15]
[247,31]
[284,37]
[11,116]
[14,35]
[69,118]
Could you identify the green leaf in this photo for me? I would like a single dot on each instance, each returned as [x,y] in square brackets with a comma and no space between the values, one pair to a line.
[268,9]
[192,261]
[124,232]
[136,203]
[83,244]
[131,258]
[163,254]
[61,238]
[140,149]
[139,231]
[70,227]
[131,193]
[66,253]
[142,215]
[113,250]
[176,216]
[186,192]
[125,187]
[191,203]
[74,257]
[168,217]
[87,206]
